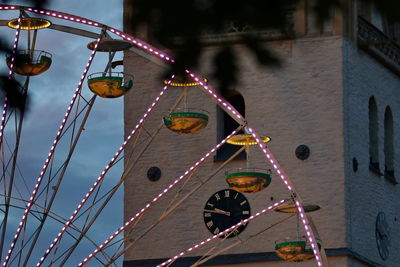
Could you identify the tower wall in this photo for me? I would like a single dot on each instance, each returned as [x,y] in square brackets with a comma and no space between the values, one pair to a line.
[368,192]
[299,103]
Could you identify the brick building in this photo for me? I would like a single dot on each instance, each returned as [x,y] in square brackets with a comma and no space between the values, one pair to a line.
[335,94]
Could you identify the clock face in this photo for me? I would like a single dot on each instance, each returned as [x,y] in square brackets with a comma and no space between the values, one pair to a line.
[224,209]
[382,235]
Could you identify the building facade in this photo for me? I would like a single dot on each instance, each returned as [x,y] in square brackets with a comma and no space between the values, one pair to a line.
[334,97]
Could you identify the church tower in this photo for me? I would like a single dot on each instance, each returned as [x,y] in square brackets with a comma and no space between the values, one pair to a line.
[331,112]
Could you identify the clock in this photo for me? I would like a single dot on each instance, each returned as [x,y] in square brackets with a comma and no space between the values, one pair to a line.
[382,235]
[224,209]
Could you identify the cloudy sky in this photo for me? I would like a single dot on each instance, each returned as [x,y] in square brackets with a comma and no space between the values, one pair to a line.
[50,94]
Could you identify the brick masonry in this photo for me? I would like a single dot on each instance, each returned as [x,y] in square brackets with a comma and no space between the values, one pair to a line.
[300,103]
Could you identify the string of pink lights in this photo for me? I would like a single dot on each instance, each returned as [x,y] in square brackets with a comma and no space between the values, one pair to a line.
[104,172]
[10,76]
[275,164]
[142,45]
[50,155]
[65,16]
[226,231]
[225,105]
[271,159]
[220,101]
[157,198]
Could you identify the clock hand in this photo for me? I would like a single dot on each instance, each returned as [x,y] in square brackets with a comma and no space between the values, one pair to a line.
[218,211]
[223,212]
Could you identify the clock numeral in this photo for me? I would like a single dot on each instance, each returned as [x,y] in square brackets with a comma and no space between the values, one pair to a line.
[209,204]
[232,233]
[246,212]
[217,197]
[209,224]
[236,195]
[227,193]
[243,202]
[207,214]
[216,231]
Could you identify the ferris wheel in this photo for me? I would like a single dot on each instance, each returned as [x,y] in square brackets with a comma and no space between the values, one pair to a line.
[33,231]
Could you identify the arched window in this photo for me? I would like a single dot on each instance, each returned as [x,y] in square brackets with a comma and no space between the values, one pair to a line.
[388,145]
[373,136]
[226,125]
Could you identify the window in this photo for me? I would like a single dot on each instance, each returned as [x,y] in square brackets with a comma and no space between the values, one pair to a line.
[370,13]
[388,145]
[373,136]
[377,19]
[226,125]
[364,9]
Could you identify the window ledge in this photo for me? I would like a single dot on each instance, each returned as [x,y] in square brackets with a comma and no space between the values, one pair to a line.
[374,168]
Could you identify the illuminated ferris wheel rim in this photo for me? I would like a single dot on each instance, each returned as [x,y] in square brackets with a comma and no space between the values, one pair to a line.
[80,20]
[218,99]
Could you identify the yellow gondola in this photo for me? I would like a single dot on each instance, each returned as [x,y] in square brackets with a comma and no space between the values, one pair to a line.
[295,251]
[110,85]
[187,122]
[29,63]
[248,181]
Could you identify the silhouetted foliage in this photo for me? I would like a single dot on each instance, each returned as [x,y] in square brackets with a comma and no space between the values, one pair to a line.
[178,25]
[9,86]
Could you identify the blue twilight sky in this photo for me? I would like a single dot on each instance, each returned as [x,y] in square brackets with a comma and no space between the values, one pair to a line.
[50,94]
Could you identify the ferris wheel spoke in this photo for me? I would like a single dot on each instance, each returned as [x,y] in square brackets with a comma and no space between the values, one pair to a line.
[113,190]
[129,167]
[102,175]
[13,165]
[208,256]
[72,147]
[87,224]
[63,166]
[156,199]
[18,127]
[226,231]
[118,251]
[51,154]
[170,208]
[36,214]
[11,151]
[126,172]
[61,171]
